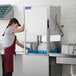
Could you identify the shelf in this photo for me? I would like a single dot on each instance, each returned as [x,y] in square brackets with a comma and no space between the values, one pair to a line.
[6,12]
[63,58]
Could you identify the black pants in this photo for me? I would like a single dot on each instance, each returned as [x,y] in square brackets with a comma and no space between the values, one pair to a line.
[3,67]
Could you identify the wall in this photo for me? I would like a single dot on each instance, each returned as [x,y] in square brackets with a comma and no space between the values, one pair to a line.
[68,18]
[69,21]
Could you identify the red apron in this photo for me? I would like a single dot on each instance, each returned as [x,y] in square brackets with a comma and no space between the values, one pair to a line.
[9,52]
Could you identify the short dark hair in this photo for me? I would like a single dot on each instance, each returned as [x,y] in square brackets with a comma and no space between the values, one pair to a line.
[14,20]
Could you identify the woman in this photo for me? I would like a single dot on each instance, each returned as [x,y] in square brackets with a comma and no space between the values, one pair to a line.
[10,40]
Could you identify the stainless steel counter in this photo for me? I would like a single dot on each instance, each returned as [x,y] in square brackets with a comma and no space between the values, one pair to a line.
[61,55]
[64,58]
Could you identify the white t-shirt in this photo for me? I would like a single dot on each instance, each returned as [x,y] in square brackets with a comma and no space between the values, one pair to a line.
[8,38]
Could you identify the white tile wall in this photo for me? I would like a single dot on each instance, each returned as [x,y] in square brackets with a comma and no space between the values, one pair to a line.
[68,18]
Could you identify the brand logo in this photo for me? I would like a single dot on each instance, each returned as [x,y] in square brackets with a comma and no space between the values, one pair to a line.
[28,8]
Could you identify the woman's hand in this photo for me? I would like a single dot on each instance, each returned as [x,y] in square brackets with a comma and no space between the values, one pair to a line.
[23,27]
[27,48]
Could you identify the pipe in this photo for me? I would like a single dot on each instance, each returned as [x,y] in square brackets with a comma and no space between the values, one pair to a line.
[58,27]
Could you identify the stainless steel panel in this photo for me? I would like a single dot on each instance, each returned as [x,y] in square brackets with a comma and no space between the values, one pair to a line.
[35,65]
[66,60]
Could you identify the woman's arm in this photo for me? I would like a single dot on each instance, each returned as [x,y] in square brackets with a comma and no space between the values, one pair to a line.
[21,45]
[20,29]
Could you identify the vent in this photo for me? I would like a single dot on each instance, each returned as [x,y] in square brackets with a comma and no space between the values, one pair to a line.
[6,12]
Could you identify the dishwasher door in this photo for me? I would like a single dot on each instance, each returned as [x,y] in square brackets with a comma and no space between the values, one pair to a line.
[35,65]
